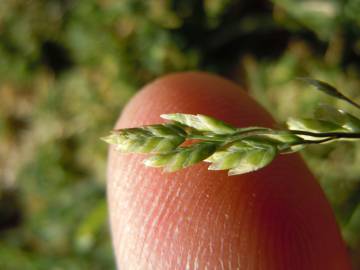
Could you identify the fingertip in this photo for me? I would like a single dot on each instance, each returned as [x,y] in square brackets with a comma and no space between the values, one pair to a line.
[276,218]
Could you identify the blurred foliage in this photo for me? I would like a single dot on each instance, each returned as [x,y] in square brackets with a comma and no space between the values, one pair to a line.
[68,66]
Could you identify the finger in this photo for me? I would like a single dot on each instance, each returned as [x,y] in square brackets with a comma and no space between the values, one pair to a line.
[276,218]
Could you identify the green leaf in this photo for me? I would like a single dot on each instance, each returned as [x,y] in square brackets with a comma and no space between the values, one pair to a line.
[165,130]
[352,123]
[314,125]
[285,140]
[201,122]
[243,156]
[149,139]
[339,117]
[293,148]
[328,113]
[324,87]
[182,157]
[329,90]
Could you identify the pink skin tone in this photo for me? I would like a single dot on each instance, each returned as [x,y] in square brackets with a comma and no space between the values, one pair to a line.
[274,219]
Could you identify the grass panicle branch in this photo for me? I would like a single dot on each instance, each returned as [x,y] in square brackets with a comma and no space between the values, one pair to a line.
[225,147]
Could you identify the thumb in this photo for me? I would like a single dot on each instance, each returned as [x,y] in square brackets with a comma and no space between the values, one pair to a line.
[276,218]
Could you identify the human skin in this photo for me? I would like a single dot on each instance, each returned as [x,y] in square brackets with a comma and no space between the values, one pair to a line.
[274,219]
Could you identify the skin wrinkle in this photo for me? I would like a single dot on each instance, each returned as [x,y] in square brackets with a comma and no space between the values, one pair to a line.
[181,220]
[170,213]
[260,205]
[196,263]
[114,204]
[221,212]
[221,252]
[252,215]
[234,236]
[301,229]
[133,218]
[287,236]
[230,256]
[280,241]
[173,250]
[215,222]
[195,202]
[126,232]
[268,241]
[186,207]
[294,211]
[188,262]
[149,221]
[302,237]
[254,235]
[300,240]
[205,234]
[238,212]
[169,206]
[194,228]
[200,208]
[221,264]
[146,205]
[283,225]
[174,243]
[238,261]
[145,213]
[243,227]
[269,228]
[167,229]
[157,217]
[226,225]
[224,199]
[290,236]
[135,202]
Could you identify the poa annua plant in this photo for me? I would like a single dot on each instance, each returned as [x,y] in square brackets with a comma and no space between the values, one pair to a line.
[238,150]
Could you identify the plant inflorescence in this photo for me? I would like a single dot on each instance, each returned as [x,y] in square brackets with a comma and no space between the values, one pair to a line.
[238,150]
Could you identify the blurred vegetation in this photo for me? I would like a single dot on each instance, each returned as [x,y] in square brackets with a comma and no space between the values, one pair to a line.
[68,66]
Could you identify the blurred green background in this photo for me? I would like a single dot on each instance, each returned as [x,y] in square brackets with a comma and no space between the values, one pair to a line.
[67,67]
